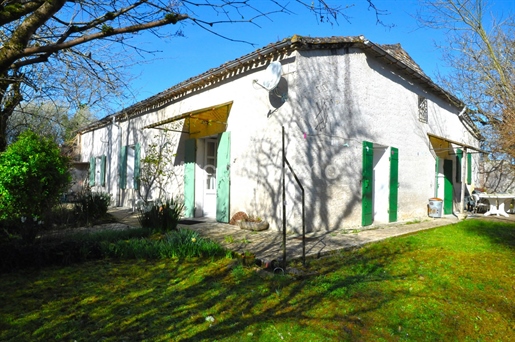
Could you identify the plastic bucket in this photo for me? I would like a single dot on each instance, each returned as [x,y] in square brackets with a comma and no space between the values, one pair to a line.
[434,208]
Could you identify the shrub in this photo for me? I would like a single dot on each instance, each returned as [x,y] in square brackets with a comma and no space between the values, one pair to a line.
[91,205]
[61,250]
[182,243]
[33,175]
[162,217]
[121,244]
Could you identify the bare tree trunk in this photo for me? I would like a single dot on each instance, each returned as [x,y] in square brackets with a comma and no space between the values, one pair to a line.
[3,129]
[10,98]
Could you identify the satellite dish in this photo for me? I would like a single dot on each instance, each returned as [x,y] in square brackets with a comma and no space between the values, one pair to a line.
[271,77]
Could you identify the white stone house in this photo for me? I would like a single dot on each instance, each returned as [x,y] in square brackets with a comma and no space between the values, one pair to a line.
[370,137]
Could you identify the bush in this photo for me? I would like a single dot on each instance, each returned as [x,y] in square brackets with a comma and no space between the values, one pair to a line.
[121,244]
[161,217]
[33,175]
[62,250]
[182,243]
[91,205]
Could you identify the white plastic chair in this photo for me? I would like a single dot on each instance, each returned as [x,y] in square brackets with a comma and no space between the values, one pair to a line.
[479,205]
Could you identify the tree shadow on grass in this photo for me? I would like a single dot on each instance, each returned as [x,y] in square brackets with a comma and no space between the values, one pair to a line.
[170,300]
[204,300]
[498,230]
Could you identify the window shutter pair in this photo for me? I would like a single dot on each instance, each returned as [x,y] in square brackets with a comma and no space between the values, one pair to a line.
[459,157]
[123,166]
[93,169]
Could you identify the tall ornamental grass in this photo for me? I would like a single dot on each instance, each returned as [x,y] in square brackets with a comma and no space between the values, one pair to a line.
[121,245]
[161,216]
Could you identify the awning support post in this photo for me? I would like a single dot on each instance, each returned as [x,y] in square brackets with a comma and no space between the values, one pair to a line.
[297,180]
[463,180]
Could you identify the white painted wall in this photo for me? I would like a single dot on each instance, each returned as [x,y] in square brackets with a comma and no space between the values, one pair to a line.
[336,100]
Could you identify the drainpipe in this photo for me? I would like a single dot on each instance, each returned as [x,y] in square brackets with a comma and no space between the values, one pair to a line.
[118,190]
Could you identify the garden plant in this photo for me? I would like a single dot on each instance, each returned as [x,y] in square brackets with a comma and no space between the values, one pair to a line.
[33,175]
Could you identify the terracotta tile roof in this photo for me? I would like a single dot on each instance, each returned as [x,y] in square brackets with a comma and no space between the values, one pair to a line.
[391,54]
[398,52]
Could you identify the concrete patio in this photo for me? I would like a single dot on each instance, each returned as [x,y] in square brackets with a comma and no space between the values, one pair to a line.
[267,245]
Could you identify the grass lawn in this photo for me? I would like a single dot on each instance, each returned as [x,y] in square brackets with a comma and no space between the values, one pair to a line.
[453,283]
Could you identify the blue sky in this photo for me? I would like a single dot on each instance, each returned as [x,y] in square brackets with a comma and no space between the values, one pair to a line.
[200,50]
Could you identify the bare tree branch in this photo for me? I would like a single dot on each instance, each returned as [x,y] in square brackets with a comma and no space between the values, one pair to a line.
[46,45]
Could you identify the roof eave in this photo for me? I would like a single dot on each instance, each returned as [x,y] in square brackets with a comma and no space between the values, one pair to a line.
[267,53]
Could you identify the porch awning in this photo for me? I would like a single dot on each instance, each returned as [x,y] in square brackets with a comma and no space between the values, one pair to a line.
[443,148]
[201,122]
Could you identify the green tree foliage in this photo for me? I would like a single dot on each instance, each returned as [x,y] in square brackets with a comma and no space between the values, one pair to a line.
[48,119]
[33,175]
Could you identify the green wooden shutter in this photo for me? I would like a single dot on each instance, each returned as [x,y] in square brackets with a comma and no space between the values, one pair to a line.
[459,157]
[92,169]
[123,167]
[469,168]
[223,173]
[448,187]
[103,171]
[394,184]
[189,178]
[136,165]
[367,186]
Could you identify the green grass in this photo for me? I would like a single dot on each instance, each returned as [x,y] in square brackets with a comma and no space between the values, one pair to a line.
[454,283]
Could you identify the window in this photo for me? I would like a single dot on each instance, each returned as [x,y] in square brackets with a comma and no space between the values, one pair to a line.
[97,166]
[422,109]
[210,168]
[129,167]
[459,157]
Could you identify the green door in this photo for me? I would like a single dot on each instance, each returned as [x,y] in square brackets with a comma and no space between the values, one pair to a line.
[367,186]
[189,178]
[447,187]
[394,184]
[223,177]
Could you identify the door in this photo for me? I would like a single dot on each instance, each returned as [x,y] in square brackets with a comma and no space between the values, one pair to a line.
[447,187]
[223,173]
[210,159]
[189,178]
[367,212]
[394,184]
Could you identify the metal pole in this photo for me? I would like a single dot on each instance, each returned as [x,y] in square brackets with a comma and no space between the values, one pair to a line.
[284,201]
[303,214]
[303,232]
